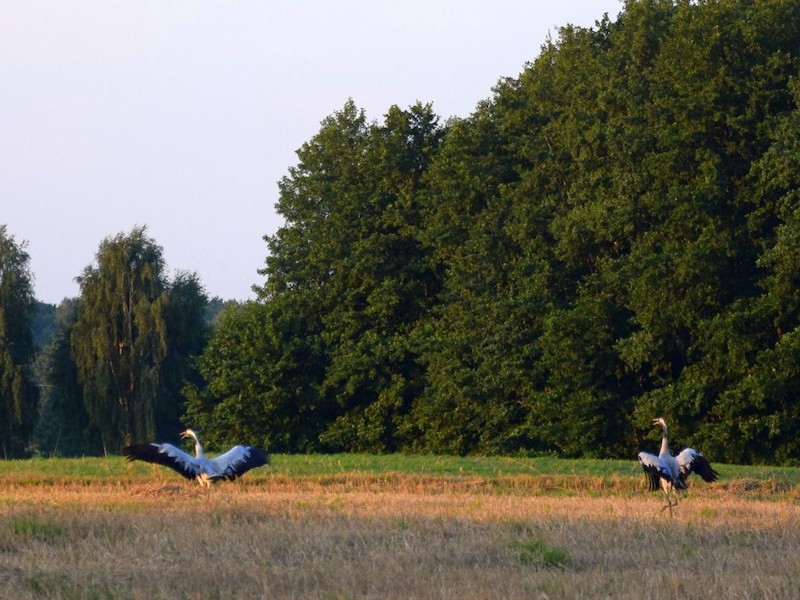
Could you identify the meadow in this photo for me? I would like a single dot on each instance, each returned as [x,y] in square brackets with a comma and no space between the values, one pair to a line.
[360,526]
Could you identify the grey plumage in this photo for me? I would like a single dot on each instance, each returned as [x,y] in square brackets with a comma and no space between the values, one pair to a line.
[671,472]
[230,465]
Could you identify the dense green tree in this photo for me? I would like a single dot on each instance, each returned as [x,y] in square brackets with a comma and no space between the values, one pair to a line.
[216,307]
[349,253]
[374,372]
[720,88]
[623,221]
[134,340]
[611,236]
[45,323]
[263,373]
[63,425]
[119,340]
[185,317]
[475,340]
[746,371]
[18,396]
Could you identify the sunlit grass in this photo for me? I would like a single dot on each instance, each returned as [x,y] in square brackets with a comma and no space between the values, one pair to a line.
[499,474]
[331,464]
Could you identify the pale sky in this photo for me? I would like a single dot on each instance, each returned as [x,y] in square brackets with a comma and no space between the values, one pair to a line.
[183,115]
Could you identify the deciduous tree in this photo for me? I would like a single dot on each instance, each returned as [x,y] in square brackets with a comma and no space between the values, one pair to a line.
[119,340]
[17,393]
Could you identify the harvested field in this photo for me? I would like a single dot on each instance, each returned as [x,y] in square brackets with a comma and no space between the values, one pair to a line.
[357,535]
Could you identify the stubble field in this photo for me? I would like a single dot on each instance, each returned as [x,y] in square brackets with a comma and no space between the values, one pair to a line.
[105,529]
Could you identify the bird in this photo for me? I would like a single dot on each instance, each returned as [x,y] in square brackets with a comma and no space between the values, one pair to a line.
[207,471]
[670,472]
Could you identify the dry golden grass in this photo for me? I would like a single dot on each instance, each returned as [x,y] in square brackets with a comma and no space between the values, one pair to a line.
[394,536]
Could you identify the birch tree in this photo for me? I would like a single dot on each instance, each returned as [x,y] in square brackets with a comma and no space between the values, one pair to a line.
[119,340]
[17,392]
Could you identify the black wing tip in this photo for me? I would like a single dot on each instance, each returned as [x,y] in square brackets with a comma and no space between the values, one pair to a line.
[137,451]
[152,453]
[652,473]
[260,458]
[704,469]
[711,476]
[653,477]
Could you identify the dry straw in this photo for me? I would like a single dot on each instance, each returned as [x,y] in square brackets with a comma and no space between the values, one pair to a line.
[395,536]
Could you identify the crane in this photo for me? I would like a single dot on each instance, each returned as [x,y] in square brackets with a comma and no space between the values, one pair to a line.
[670,472]
[234,463]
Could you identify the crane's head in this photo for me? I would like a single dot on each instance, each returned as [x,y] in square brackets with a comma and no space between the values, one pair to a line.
[660,422]
[187,434]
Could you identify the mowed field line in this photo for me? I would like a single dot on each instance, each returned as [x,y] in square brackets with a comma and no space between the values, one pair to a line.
[152,534]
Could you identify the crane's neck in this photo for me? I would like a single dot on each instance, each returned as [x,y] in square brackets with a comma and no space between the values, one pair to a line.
[664,443]
[198,449]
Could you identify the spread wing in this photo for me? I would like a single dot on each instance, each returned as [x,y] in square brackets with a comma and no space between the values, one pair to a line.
[167,455]
[654,470]
[238,460]
[691,461]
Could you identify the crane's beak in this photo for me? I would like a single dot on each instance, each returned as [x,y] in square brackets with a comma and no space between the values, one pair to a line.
[656,422]
[184,435]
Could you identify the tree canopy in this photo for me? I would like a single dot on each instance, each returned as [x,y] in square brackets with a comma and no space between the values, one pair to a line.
[132,338]
[18,395]
[611,236]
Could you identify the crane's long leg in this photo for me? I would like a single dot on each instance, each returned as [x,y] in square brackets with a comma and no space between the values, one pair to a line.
[669,504]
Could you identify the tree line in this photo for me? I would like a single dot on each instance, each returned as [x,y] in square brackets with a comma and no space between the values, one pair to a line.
[104,369]
[611,236]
